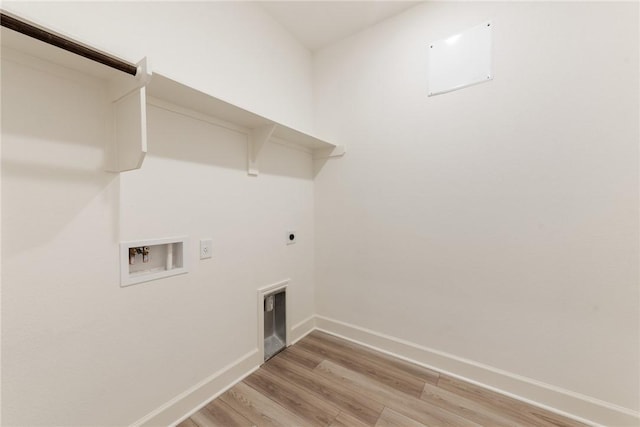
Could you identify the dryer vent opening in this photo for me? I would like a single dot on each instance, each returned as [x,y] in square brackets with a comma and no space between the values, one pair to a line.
[275,329]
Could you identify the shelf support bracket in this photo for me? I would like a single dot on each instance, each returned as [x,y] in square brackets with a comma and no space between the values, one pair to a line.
[257,138]
[123,87]
[128,145]
[326,153]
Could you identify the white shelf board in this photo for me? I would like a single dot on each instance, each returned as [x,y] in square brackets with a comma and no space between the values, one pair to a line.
[127,145]
[163,88]
[169,90]
[27,45]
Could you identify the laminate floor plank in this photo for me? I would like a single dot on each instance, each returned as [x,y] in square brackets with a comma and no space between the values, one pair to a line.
[385,374]
[425,374]
[326,381]
[202,419]
[520,412]
[258,408]
[207,418]
[467,408]
[391,418]
[410,406]
[301,356]
[370,363]
[188,423]
[308,406]
[224,415]
[359,407]
[345,420]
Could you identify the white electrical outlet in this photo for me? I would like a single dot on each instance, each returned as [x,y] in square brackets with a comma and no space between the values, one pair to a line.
[292,237]
[206,248]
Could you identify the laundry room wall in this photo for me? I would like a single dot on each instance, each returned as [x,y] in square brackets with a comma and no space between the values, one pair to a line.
[490,231]
[78,349]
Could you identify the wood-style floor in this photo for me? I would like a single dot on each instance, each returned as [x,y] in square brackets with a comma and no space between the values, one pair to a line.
[326,381]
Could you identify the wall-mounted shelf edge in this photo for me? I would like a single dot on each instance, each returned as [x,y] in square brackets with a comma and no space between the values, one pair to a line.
[127,147]
[260,129]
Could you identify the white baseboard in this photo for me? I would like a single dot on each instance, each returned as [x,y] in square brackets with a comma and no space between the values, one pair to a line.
[300,330]
[564,402]
[190,401]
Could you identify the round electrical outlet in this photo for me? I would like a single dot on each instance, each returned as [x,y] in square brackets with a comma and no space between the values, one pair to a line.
[291,237]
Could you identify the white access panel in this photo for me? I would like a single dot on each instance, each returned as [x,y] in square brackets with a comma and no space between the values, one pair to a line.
[461,60]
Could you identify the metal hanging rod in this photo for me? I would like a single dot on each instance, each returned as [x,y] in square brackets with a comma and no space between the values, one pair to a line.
[27,29]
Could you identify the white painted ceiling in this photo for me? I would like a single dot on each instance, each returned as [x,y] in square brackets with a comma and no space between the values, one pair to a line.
[319,23]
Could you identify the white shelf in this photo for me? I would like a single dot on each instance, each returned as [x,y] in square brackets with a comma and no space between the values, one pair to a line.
[14,40]
[260,128]
[127,146]
[128,96]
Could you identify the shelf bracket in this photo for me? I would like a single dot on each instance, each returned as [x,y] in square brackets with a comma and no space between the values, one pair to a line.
[257,138]
[129,139]
[121,87]
[128,145]
[326,153]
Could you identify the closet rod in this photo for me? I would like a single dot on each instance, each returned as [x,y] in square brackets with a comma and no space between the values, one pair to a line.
[68,45]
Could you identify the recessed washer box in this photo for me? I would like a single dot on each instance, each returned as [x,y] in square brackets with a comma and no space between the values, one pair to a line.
[146,260]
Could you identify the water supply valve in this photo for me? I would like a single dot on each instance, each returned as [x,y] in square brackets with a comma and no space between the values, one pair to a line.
[132,256]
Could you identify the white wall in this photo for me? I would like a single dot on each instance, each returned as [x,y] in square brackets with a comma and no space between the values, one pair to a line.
[233,50]
[77,349]
[498,223]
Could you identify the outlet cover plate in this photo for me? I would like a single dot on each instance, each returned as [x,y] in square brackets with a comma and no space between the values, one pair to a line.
[206,248]
[292,237]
